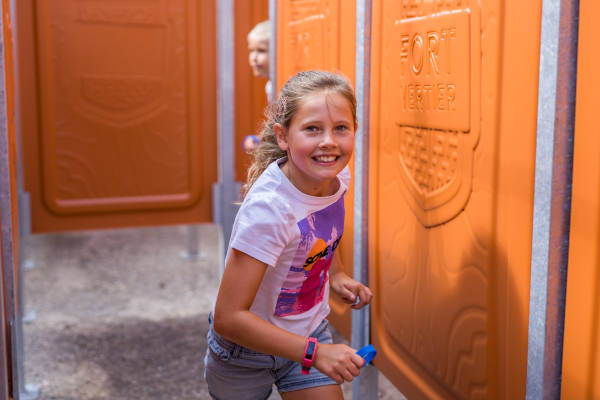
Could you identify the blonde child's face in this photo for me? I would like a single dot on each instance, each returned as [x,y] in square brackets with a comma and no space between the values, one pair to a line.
[259,56]
[319,142]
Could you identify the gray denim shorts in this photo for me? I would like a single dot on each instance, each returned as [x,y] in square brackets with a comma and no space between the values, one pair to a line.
[234,372]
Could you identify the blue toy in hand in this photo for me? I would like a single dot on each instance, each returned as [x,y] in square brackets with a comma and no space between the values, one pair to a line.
[368,353]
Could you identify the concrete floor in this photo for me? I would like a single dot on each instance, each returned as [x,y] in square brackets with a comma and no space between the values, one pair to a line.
[120,315]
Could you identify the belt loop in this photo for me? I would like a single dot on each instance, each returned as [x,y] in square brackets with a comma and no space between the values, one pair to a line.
[236,350]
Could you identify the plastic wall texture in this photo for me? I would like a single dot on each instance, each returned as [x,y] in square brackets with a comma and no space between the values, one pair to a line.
[118,111]
[250,96]
[453,113]
[581,351]
[320,34]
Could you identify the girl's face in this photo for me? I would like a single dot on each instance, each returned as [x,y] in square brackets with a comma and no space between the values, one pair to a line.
[259,56]
[319,142]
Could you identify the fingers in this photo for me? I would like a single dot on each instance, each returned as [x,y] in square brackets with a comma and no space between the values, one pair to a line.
[348,296]
[358,361]
[349,375]
[340,362]
[351,369]
[365,295]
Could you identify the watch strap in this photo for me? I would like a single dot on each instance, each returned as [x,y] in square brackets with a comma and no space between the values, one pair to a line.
[310,350]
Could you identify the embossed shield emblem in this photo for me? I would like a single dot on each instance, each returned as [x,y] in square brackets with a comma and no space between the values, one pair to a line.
[438,124]
[121,78]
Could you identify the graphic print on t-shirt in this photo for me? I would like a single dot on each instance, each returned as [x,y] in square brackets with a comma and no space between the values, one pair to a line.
[304,286]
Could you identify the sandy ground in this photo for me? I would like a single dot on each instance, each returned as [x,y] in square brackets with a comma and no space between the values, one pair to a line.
[120,315]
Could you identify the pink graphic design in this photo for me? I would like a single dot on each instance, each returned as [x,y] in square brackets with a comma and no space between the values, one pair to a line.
[304,286]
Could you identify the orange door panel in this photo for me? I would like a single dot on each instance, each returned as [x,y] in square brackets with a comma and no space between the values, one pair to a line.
[320,34]
[453,113]
[120,128]
[581,351]
[250,95]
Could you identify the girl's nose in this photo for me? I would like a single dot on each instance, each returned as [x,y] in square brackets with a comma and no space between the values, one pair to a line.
[328,138]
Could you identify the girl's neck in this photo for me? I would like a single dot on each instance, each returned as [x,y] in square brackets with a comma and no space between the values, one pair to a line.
[324,189]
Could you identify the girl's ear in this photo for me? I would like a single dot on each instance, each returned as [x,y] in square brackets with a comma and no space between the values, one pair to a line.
[280,135]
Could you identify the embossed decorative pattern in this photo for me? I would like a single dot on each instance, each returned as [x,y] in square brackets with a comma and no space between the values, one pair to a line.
[116,93]
[429,157]
[312,36]
[119,81]
[431,257]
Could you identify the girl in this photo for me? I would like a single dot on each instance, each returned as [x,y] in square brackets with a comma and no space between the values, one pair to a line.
[269,321]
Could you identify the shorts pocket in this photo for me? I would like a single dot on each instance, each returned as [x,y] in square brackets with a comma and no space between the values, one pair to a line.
[221,348]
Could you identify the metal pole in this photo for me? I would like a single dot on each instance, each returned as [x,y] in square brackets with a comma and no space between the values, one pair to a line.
[193,252]
[7,232]
[26,391]
[364,387]
[273,48]
[552,197]
[226,191]
[3,351]
[6,211]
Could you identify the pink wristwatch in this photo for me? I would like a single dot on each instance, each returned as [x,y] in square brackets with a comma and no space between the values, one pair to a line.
[309,355]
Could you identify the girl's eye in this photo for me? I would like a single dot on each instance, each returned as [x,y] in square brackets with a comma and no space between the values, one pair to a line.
[312,128]
[341,128]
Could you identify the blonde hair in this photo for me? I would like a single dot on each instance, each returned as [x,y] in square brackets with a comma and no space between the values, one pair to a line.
[282,112]
[261,31]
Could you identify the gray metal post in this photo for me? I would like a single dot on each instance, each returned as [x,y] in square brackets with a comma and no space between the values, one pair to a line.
[6,210]
[7,232]
[226,191]
[552,197]
[364,387]
[25,391]
[3,351]
[193,251]
[273,48]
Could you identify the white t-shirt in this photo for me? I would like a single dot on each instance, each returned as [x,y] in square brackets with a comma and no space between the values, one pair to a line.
[296,235]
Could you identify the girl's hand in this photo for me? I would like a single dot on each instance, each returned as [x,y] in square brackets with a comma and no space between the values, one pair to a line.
[338,361]
[348,289]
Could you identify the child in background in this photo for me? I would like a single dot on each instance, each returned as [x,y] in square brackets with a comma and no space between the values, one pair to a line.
[258,48]
[258,57]
[269,322]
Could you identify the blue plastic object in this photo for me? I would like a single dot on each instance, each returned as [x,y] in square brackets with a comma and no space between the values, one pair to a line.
[368,353]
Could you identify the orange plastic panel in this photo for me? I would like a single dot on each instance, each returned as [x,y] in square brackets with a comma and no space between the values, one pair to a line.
[127,127]
[581,351]
[453,114]
[250,96]
[315,34]
[320,34]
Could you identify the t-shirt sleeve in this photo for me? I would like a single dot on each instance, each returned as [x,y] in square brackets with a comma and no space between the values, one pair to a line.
[261,230]
[345,176]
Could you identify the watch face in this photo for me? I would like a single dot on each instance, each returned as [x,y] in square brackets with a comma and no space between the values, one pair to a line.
[310,350]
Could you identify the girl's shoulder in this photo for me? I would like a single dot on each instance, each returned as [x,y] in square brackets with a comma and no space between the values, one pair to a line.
[267,197]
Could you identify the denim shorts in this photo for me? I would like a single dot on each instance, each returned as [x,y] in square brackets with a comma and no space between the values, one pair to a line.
[234,372]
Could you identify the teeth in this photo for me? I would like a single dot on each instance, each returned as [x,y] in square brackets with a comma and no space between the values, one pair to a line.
[325,158]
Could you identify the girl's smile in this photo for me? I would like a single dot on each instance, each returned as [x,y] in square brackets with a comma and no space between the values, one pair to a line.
[319,142]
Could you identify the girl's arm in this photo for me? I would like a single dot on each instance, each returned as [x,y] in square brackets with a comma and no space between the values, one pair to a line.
[234,321]
[347,288]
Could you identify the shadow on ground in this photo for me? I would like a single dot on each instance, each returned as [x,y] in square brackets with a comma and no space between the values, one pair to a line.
[137,359]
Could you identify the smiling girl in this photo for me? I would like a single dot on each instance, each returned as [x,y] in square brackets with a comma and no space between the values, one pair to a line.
[269,322]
